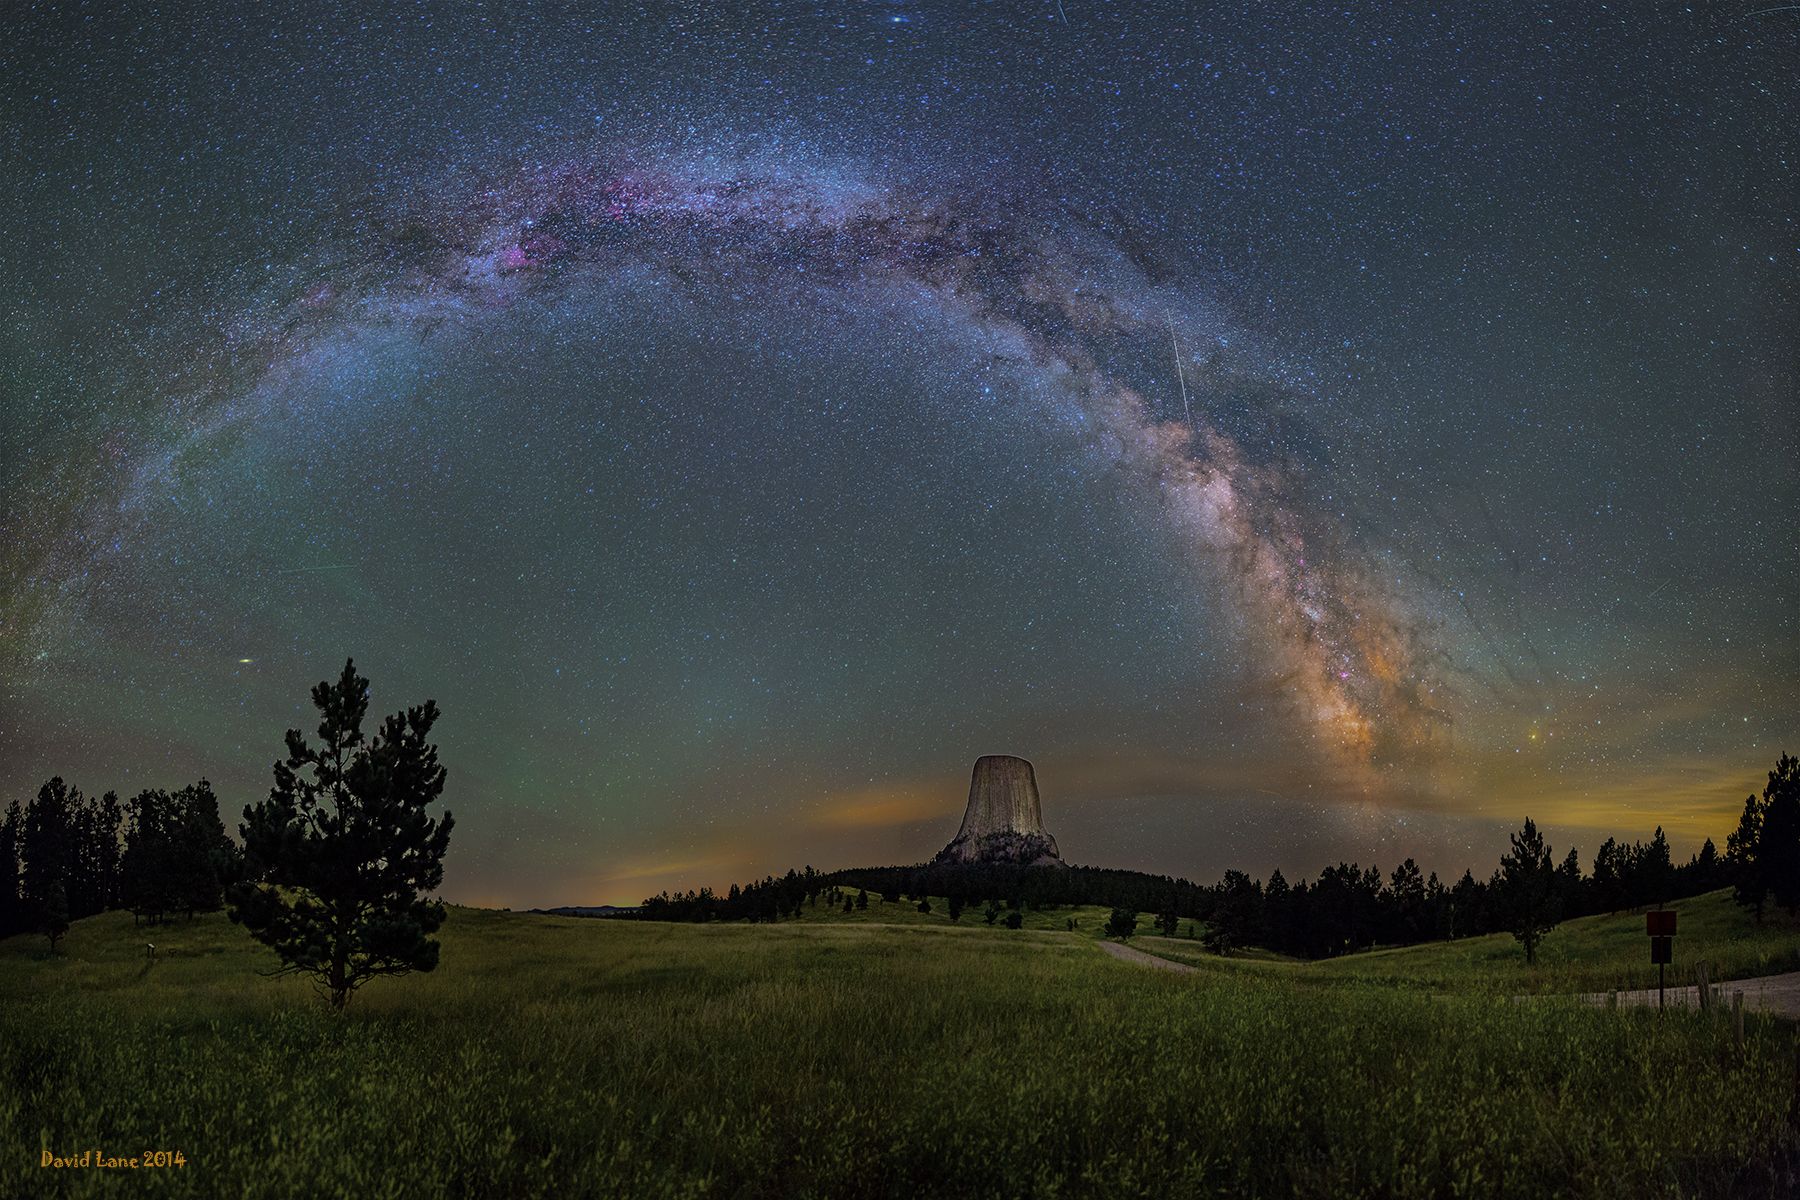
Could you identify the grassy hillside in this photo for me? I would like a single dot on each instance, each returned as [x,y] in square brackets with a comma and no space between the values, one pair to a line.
[1596,953]
[558,1056]
[1589,954]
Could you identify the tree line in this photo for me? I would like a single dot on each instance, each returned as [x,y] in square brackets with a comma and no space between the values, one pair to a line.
[333,874]
[775,898]
[1348,907]
[65,855]
[1762,854]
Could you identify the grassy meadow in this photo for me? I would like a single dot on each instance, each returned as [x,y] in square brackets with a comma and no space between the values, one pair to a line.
[852,1057]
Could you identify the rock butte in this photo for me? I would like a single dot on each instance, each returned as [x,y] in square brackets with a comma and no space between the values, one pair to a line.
[1003,822]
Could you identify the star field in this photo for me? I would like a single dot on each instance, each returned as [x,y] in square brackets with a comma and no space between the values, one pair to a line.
[1305,438]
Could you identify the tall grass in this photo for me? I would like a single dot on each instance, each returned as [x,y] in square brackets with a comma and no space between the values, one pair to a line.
[556,1057]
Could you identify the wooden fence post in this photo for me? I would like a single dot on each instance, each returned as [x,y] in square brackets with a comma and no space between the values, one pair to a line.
[1700,975]
[1737,1019]
[1794,1104]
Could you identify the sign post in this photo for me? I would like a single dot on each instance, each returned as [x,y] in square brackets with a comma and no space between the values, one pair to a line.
[1660,925]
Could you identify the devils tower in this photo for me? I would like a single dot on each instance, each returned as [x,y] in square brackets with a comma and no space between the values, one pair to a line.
[1003,823]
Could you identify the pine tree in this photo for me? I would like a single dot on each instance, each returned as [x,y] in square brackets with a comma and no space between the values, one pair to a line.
[53,913]
[1437,908]
[49,848]
[1568,882]
[1704,869]
[1406,899]
[1749,887]
[337,856]
[1610,892]
[1467,906]
[107,852]
[1529,889]
[1656,871]
[205,859]
[12,914]
[1278,911]
[1778,845]
[150,872]
[1236,918]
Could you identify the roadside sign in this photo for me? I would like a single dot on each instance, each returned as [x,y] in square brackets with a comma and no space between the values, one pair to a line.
[1659,923]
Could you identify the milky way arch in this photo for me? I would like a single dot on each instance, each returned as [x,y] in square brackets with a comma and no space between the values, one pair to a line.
[1342,650]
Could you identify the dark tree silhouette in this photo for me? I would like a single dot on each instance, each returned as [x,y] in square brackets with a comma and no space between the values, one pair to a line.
[12,909]
[1748,886]
[1656,871]
[1406,889]
[60,839]
[337,856]
[48,845]
[1530,890]
[177,857]
[1014,919]
[1468,905]
[1237,907]
[955,902]
[1122,923]
[1704,871]
[105,853]
[208,860]
[53,913]
[148,872]
[1568,882]
[1611,869]
[1778,842]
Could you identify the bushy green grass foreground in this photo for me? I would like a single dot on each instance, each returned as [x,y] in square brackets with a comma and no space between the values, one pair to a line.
[567,1057]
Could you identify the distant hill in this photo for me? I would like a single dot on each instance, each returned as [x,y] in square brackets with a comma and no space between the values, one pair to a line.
[591,910]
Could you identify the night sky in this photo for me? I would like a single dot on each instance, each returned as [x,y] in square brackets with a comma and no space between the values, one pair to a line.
[1306,433]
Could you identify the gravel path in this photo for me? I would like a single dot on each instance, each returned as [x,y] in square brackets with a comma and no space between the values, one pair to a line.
[1125,953]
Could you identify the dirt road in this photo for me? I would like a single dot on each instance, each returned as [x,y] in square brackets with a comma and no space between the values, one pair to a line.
[1125,953]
